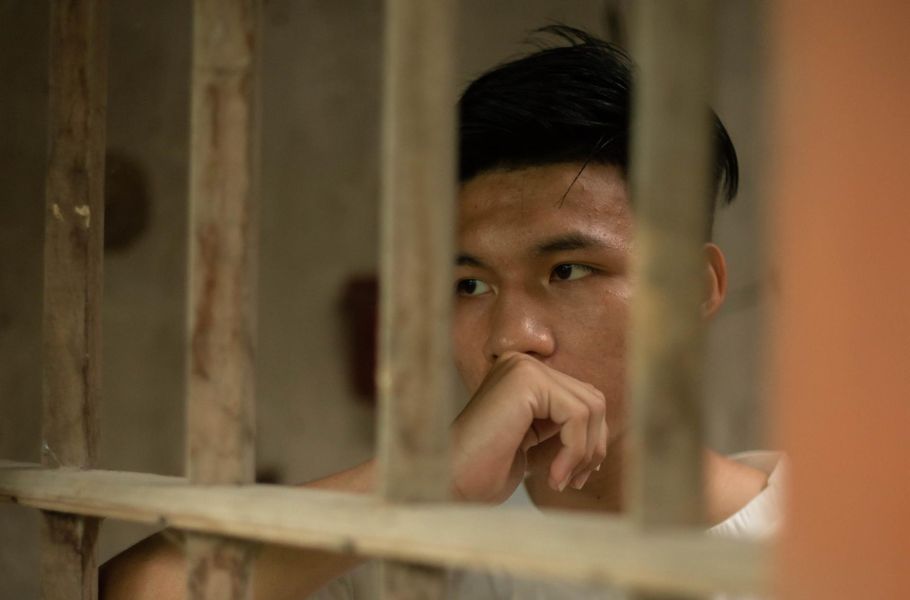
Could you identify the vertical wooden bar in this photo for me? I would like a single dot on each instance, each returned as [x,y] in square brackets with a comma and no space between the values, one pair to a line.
[671,189]
[841,320]
[417,253]
[222,276]
[73,248]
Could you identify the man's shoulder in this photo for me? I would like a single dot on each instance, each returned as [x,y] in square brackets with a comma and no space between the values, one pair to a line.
[761,517]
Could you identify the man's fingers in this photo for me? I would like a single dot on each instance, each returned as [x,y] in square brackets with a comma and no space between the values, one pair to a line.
[581,476]
[595,452]
[599,451]
[595,429]
[579,481]
[574,438]
[573,409]
[530,440]
[602,444]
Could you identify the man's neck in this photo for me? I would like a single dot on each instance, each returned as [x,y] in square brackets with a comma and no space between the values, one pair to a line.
[729,486]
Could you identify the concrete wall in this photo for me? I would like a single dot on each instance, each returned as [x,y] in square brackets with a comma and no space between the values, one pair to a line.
[320,137]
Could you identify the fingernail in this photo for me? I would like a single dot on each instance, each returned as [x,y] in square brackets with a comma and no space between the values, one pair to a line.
[564,483]
[580,481]
[597,468]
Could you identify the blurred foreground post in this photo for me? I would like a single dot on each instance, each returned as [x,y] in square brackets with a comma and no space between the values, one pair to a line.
[222,277]
[418,161]
[671,186]
[842,330]
[73,256]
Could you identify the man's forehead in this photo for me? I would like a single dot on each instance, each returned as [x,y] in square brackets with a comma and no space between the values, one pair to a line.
[537,246]
[603,186]
[530,206]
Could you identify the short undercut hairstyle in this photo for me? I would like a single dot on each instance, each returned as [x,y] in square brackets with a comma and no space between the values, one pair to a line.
[567,102]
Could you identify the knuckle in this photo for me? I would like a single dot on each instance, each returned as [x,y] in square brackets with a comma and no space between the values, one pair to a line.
[582,411]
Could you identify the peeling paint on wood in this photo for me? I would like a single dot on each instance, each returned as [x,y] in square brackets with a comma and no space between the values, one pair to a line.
[223,243]
[85,213]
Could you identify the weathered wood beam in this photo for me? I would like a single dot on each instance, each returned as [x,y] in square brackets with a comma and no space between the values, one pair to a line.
[222,281]
[594,549]
[670,182]
[73,257]
[671,188]
[418,162]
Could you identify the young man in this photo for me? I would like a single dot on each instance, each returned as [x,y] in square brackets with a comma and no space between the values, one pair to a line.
[545,232]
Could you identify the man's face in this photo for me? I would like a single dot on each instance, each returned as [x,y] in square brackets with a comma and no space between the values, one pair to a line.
[546,277]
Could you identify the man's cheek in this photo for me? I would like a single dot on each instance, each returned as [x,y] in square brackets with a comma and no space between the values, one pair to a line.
[467,374]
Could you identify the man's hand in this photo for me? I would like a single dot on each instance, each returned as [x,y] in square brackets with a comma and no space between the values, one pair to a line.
[519,405]
[522,403]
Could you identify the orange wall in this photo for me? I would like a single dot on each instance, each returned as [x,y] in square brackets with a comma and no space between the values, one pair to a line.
[841,244]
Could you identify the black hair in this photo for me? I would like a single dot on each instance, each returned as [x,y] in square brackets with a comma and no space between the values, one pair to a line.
[568,102]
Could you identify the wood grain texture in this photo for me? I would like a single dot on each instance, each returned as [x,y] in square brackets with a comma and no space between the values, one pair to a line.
[593,549]
[68,561]
[418,162]
[222,282]
[670,179]
[73,258]
[74,230]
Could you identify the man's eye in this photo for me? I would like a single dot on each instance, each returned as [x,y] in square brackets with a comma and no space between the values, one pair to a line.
[471,287]
[569,272]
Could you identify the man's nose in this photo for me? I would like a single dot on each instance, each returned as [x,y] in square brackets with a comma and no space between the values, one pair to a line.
[519,325]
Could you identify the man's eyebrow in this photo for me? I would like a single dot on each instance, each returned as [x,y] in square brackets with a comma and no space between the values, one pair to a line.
[569,241]
[466,260]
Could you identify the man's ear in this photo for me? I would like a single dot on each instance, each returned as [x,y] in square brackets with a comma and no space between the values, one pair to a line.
[715,280]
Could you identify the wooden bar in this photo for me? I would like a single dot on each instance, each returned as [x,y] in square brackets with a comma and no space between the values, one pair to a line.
[418,198]
[417,251]
[671,190]
[594,549]
[222,276]
[68,562]
[73,257]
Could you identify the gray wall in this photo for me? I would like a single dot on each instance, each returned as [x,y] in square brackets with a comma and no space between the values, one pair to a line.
[320,138]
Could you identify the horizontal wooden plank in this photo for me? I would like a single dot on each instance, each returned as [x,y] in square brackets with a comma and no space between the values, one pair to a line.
[556,545]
